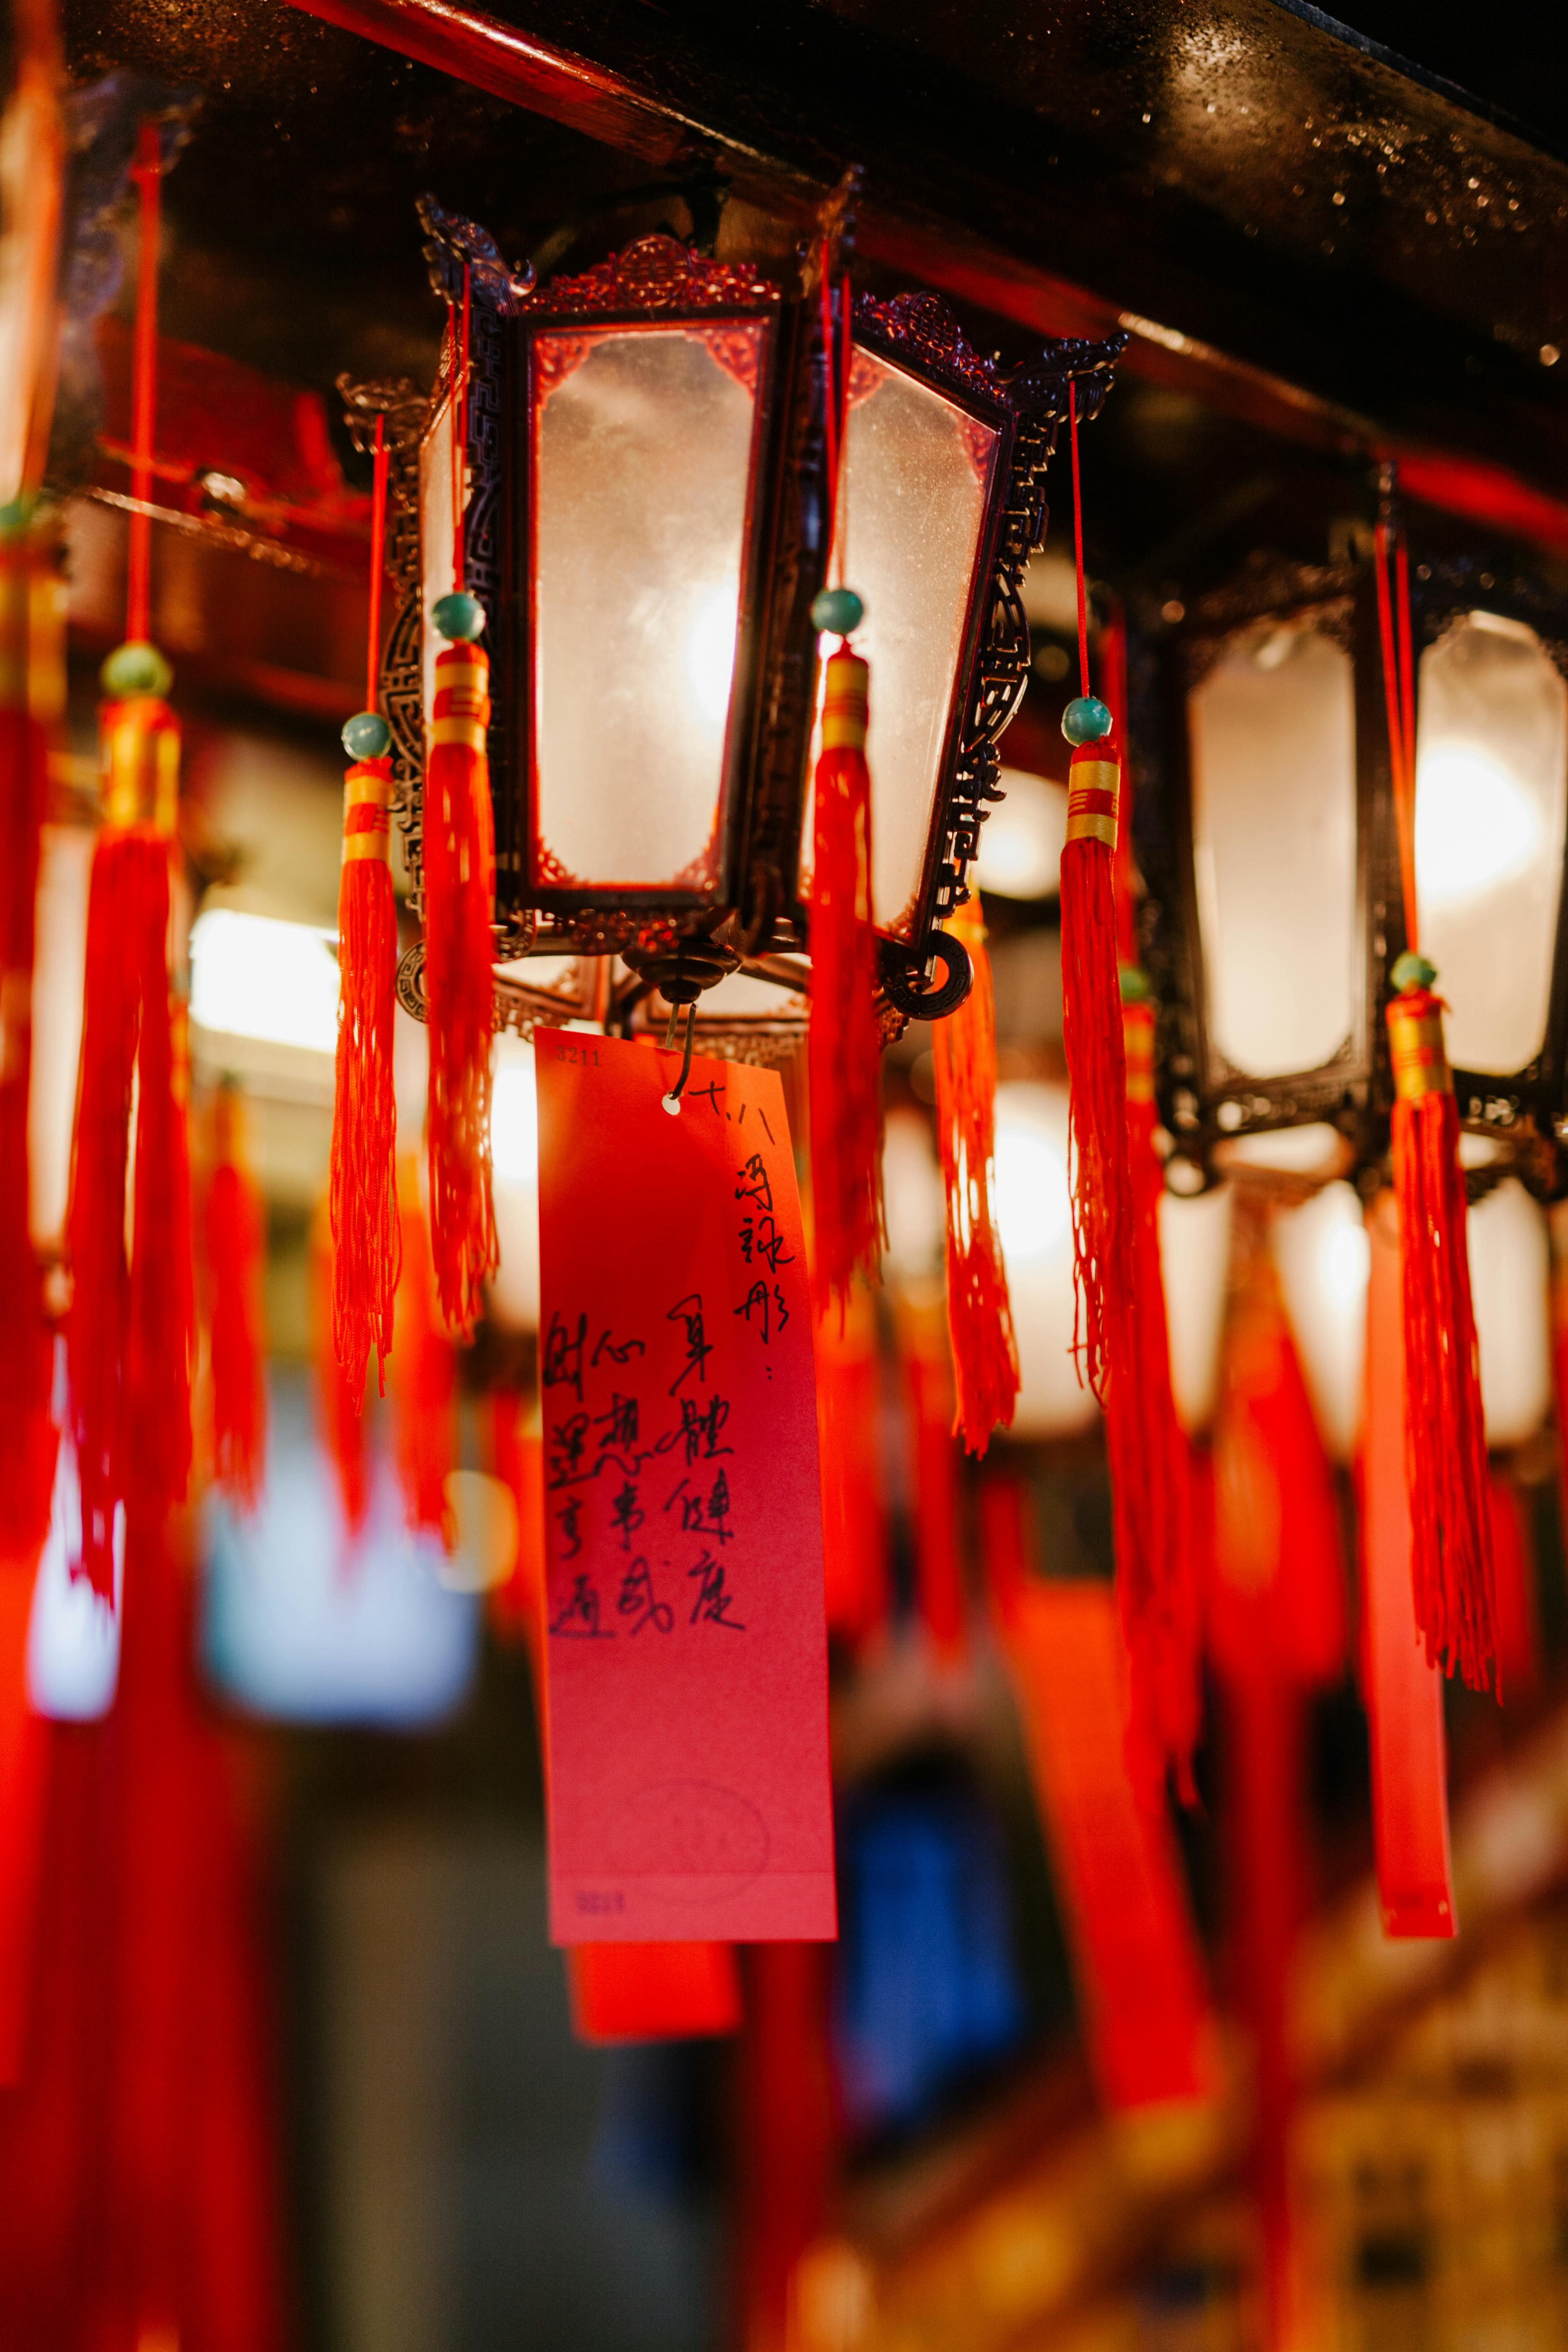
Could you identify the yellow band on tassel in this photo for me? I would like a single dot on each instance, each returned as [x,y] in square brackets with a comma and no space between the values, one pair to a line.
[846,709]
[367,787]
[1416,1045]
[376,844]
[141,764]
[1138,1048]
[1093,789]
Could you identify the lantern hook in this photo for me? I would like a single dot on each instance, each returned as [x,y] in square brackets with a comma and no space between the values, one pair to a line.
[672,1099]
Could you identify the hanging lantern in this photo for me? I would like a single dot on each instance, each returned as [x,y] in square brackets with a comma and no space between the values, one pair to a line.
[641,470]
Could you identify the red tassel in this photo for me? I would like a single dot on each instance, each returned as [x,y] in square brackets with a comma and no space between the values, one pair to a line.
[26,1432]
[1445,1442]
[652,1992]
[423,1376]
[161,1356]
[845,1050]
[1097,1070]
[979,1314]
[234,1239]
[854,1540]
[127,930]
[459,894]
[939,1563]
[366,1236]
[344,1432]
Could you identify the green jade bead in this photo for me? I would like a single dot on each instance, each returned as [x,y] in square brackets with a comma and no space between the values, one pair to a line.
[135,668]
[1086,720]
[366,736]
[1412,971]
[835,611]
[459,617]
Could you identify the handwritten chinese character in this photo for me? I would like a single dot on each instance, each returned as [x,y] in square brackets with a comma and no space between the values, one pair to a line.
[626,1515]
[605,1345]
[762,1236]
[564,1356]
[756,1301]
[700,1430]
[688,1311]
[567,1519]
[713,1602]
[578,1617]
[619,1424]
[753,1184]
[564,1447]
[713,1092]
[638,1599]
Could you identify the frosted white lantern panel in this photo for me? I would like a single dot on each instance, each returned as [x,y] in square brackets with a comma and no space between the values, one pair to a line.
[643,449]
[1274,848]
[918,477]
[1491,795]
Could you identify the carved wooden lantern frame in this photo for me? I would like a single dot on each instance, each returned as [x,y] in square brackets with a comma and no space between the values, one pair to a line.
[1212,1093]
[567,947]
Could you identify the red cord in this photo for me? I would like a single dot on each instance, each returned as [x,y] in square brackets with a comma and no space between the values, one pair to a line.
[378,563]
[1399,704]
[1078,545]
[461,441]
[147,171]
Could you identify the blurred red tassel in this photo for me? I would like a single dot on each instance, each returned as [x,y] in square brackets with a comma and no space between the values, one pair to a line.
[845,1048]
[1514,1594]
[1096,1068]
[341,1426]
[653,1992]
[848,1414]
[163,1336]
[1446,1458]
[234,1238]
[127,933]
[979,1314]
[938,1566]
[423,1376]
[459,896]
[366,1232]
[1401,1687]
[516,1459]
[26,1359]
[787,2142]
[1155,1583]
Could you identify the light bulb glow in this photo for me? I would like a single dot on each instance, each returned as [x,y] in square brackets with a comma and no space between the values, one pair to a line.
[1475,827]
[711,653]
[253,976]
[1034,1210]
[514,1121]
[1021,840]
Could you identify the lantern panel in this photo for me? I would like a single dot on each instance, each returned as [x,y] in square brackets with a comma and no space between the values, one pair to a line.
[919,471]
[1274,846]
[643,447]
[1491,807]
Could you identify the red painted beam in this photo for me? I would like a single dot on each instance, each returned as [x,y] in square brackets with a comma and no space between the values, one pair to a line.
[547,79]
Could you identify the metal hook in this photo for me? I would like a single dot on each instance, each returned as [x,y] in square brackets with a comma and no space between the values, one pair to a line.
[672,1099]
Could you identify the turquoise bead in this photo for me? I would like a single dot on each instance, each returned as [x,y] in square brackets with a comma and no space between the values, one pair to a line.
[836,612]
[366,736]
[1086,720]
[460,616]
[135,669]
[1412,971]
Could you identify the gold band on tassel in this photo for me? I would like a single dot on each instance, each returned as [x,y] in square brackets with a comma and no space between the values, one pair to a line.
[1416,1045]
[462,704]
[141,764]
[1138,1047]
[368,787]
[846,709]
[376,843]
[1093,789]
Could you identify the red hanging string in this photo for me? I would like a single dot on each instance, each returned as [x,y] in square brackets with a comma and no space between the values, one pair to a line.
[461,441]
[378,563]
[1077,544]
[147,173]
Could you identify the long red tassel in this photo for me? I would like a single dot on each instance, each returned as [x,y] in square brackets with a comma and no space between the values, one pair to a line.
[161,1357]
[127,930]
[845,1046]
[363,1193]
[1444,1440]
[423,1377]
[234,1239]
[979,1313]
[342,1428]
[460,893]
[27,1433]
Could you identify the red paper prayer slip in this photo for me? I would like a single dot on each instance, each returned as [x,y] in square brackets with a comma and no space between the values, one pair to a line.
[687,1652]
[1403,1694]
